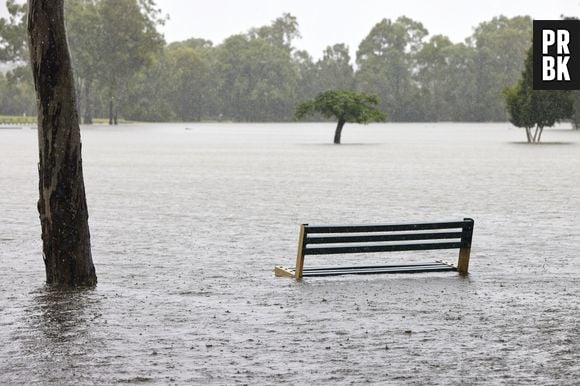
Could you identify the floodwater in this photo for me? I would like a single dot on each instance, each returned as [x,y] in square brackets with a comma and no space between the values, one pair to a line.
[188,221]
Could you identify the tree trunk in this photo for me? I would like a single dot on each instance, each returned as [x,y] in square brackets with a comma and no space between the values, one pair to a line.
[540,131]
[88,118]
[338,131]
[111,111]
[576,106]
[528,134]
[62,204]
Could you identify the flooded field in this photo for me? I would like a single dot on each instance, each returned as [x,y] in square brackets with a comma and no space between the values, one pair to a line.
[188,221]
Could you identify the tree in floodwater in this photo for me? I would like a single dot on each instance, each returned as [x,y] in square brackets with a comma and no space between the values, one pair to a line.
[500,46]
[130,41]
[386,61]
[256,77]
[575,119]
[62,204]
[344,105]
[535,109]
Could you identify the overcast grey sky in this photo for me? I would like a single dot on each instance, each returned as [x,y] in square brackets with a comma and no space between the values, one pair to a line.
[325,22]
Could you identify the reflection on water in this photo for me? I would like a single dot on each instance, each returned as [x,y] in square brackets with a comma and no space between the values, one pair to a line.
[56,333]
[61,315]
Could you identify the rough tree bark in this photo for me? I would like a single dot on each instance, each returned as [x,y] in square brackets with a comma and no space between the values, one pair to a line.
[338,132]
[62,204]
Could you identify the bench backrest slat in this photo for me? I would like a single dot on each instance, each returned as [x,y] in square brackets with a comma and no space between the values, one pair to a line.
[380,248]
[316,239]
[383,228]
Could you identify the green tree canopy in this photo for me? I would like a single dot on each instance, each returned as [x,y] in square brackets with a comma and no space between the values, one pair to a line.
[344,105]
[257,78]
[500,46]
[13,47]
[259,75]
[529,108]
[334,70]
[386,61]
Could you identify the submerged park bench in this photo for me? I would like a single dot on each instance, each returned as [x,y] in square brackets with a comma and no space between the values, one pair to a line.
[341,239]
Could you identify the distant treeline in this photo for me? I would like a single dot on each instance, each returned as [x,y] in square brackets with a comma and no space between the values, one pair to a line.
[124,68]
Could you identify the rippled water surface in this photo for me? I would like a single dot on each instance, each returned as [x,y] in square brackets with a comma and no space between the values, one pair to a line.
[188,221]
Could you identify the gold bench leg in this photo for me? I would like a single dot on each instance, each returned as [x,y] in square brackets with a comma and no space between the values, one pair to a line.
[300,255]
[463,261]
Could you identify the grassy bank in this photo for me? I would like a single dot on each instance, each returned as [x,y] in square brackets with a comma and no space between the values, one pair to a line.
[17,120]
[31,120]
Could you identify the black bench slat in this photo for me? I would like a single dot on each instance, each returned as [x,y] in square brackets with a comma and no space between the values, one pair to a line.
[380,248]
[385,269]
[383,228]
[374,238]
[429,264]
